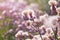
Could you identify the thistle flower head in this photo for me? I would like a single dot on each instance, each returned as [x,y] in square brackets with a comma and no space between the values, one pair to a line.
[52,2]
[30,11]
[58,10]
[18,33]
[24,12]
[28,23]
[43,18]
[49,30]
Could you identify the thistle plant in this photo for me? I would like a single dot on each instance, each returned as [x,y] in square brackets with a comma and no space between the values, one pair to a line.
[25,21]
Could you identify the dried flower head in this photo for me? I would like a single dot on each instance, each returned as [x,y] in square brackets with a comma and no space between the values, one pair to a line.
[52,2]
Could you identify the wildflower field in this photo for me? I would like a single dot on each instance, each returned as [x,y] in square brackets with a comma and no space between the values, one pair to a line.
[29,19]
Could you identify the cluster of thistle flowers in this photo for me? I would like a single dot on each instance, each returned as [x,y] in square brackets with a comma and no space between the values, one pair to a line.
[30,23]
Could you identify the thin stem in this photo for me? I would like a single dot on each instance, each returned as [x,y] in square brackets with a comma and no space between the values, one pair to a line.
[40,33]
[55,33]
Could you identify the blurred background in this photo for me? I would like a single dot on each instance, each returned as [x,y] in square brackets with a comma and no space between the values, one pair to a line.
[43,4]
